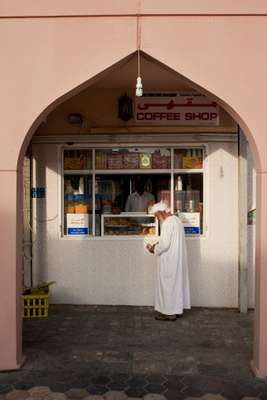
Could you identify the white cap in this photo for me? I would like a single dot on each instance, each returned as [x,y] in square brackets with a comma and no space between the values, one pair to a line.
[161,206]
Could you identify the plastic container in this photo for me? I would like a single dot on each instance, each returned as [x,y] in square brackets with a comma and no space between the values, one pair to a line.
[179,200]
[35,305]
[192,200]
[35,301]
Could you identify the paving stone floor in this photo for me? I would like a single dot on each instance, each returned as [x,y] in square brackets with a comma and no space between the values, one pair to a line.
[101,349]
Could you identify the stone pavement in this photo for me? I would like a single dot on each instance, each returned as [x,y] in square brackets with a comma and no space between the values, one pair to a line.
[44,393]
[122,352]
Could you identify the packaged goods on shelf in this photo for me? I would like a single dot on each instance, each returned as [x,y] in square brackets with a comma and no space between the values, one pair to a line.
[97,202]
[106,206]
[115,161]
[149,231]
[139,225]
[77,159]
[101,160]
[160,161]
[145,161]
[105,187]
[192,162]
[107,209]
[72,163]
[69,210]
[80,209]
[178,160]
[130,160]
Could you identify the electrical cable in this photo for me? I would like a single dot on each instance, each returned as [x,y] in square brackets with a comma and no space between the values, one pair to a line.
[26,212]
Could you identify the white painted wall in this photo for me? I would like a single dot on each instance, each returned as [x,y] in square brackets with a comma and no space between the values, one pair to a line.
[251,229]
[106,271]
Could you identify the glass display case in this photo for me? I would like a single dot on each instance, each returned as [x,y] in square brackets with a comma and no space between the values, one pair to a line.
[129,224]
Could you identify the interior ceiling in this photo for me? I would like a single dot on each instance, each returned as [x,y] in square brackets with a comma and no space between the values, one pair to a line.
[154,77]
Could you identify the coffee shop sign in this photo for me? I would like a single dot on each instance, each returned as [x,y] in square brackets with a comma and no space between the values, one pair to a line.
[176,109]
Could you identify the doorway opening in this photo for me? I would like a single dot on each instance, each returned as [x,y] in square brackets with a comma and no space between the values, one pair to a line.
[80,233]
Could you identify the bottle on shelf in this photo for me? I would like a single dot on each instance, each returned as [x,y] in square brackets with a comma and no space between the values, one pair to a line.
[81,186]
[179,184]
[189,184]
[191,206]
[188,153]
[179,205]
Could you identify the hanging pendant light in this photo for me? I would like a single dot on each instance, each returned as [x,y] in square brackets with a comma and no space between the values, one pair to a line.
[139,85]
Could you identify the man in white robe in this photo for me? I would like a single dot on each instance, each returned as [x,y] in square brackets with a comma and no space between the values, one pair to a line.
[172,287]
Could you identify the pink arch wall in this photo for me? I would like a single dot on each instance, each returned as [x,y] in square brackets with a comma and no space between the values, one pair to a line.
[44,58]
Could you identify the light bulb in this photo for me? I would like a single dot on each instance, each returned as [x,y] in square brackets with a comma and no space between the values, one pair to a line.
[139,87]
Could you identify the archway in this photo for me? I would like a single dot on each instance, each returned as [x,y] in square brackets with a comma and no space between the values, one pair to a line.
[160,35]
[71,93]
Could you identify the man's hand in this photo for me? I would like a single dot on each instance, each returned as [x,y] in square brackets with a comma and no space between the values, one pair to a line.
[151,248]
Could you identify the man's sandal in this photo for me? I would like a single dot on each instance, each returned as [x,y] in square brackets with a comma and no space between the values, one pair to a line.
[164,317]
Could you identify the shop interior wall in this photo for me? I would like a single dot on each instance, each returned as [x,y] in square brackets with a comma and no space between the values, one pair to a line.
[104,271]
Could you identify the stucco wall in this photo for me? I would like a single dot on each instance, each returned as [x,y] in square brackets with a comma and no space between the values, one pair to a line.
[223,52]
[50,57]
[131,7]
[251,229]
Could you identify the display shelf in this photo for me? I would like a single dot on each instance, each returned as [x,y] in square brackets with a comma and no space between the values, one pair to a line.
[78,171]
[188,171]
[131,171]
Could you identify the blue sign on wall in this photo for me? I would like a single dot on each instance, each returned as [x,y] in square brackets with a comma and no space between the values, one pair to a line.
[192,230]
[78,231]
[38,192]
